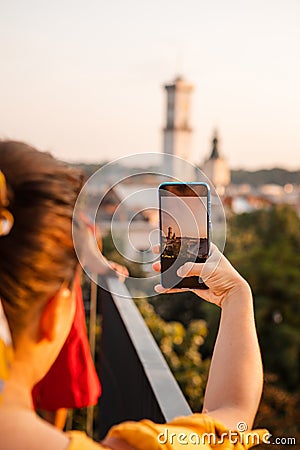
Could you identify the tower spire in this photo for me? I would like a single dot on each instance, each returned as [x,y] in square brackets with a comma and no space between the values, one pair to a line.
[215,154]
[216,167]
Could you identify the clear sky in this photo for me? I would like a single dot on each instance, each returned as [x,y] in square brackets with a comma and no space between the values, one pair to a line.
[83,78]
[186,215]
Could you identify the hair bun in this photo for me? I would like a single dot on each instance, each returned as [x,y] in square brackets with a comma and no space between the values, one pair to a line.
[6,217]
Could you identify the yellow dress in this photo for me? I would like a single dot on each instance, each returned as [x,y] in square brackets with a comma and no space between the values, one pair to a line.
[197,431]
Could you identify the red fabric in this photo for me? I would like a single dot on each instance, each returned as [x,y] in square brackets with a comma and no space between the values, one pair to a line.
[72,381]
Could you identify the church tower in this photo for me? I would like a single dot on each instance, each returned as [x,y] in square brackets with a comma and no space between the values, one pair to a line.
[178,131]
[216,167]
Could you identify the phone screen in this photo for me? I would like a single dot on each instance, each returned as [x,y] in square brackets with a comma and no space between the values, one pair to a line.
[184,227]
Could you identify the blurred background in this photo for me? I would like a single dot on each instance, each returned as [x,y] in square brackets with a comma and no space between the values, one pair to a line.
[215,83]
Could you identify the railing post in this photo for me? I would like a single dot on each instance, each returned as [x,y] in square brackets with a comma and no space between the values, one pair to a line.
[92,342]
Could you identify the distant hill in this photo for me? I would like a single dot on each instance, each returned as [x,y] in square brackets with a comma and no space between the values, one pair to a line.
[265,176]
[113,168]
[88,169]
[254,178]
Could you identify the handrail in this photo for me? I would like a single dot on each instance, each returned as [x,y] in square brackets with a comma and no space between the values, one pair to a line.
[171,400]
[137,382]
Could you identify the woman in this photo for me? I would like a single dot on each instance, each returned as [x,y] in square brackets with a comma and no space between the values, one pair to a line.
[79,385]
[37,271]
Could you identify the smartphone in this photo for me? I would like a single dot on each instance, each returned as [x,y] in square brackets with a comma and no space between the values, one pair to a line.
[184,216]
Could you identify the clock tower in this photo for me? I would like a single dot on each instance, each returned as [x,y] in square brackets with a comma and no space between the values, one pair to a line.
[177,131]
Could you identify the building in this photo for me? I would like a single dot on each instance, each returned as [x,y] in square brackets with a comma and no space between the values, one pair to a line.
[216,167]
[178,133]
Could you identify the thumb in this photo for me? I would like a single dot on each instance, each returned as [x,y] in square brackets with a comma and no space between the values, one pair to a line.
[190,269]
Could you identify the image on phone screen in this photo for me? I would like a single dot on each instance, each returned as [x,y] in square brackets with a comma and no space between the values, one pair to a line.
[184,227]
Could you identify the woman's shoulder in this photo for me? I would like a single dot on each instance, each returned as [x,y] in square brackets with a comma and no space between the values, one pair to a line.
[22,428]
[19,428]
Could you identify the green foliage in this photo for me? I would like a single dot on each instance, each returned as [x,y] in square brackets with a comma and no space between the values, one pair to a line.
[180,347]
[186,307]
[265,247]
[278,412]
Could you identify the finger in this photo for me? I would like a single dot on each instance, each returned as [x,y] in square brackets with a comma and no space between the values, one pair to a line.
[161,290]
[156,266]
[215,255]
[156,249]
[124,271]
[121,270]
[122,276]
[190,269]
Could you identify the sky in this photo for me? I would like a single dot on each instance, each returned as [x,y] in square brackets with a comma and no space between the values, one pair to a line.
[186,215]
[84,79]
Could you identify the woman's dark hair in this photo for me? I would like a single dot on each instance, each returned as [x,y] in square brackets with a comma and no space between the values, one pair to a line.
[37,255]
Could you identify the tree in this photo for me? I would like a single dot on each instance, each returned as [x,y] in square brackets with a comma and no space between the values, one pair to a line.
[265,247]
[181,347]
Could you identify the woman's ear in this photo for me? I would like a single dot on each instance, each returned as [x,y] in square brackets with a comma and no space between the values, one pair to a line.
[53,317]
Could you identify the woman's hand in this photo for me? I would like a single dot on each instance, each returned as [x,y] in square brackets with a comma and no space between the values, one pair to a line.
[217,273]
[120,270]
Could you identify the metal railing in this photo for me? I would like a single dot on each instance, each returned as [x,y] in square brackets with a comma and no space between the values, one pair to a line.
[136,380]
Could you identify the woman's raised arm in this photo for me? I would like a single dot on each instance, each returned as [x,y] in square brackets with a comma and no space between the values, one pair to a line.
[235,378]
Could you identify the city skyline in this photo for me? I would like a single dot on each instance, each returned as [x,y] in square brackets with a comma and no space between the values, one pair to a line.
[85,81]
[179,236]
